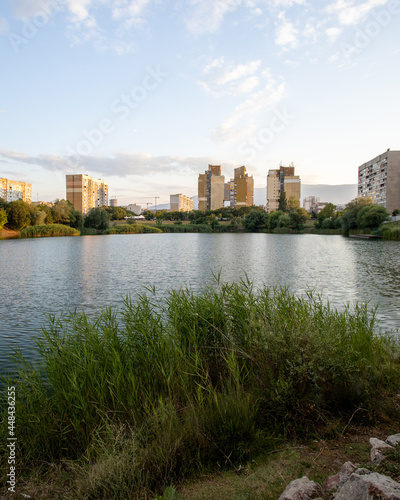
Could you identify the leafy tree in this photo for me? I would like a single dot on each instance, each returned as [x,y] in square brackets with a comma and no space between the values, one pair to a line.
[329,211]
[372,217]
[292,203]
[49,214]
[18,215]
[273,218]
[97,219]
[283,221]
[116,213]
[298,217]
[61,211]
[349,216]
[76,219]
[396,212]
[255,219]
[3,218]
[282,202]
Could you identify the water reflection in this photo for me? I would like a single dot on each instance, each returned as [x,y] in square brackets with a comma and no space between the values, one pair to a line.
[53,275]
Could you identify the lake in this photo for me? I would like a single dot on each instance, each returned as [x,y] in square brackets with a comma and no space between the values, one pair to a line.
[53,275]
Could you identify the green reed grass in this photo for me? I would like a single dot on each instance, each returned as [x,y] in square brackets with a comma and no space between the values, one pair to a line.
[169,386]
[48,230]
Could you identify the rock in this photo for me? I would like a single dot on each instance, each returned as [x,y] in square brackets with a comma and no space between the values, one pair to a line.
[301,489]
[393,440]
[377,446]
[331,483]
[369,486]
[345,472]
[363,471]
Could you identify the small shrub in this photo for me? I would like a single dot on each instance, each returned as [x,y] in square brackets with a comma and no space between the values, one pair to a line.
[48,230]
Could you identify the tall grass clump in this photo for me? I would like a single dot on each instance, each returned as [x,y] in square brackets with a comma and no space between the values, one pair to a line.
[166,387]
[48,230]
[186,228]
[131,229]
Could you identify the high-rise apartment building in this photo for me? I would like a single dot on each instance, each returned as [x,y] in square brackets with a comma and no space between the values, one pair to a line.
[211,189]
[15,190]
[380,179]
[113,202]
[279,181]
[239,191]
[180,203]
[85,192]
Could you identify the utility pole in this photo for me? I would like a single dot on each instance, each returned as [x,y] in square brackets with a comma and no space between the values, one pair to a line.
[147,207]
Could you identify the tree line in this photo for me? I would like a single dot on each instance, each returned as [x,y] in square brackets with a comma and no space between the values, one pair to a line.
[18,215]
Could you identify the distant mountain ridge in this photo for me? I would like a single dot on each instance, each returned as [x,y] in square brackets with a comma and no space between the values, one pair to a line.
[338,194]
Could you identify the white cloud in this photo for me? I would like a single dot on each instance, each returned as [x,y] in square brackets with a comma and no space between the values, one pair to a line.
[286,33]
[242,121]
[349,13]
[220,77]
[131,12]
[333,33]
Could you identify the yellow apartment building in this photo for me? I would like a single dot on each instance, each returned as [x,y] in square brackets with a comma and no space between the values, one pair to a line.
[15,190]
[279,181]
[86,192]
[240,190]
[211,189]
[180,203]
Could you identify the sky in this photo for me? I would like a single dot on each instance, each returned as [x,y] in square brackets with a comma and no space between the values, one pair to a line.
[146,93]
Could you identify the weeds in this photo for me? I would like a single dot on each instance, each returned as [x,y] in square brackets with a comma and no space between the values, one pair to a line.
[139,400]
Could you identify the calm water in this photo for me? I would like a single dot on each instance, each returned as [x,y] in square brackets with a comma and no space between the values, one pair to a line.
[52,275]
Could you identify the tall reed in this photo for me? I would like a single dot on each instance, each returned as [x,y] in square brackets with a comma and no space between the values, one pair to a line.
[166,386]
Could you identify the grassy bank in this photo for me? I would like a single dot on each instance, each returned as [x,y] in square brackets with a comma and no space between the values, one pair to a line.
[177,386]
[131,229]
[391,231]
[48,230]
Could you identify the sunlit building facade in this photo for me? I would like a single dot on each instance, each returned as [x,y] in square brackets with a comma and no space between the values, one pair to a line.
[180,203]
[379,178]
[279,181]
[86,192]
[211,189]
[15,190]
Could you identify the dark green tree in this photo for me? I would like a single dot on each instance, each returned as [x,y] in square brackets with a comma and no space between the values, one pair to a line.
[298,217]
[283,202]
[3,218]
[348,219]
[255,220]
[372,216]
[76,219]
[61,211]
[97,219]
[273,218]
[18,215]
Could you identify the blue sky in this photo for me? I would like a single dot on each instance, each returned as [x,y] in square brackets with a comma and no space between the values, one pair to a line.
[146,93]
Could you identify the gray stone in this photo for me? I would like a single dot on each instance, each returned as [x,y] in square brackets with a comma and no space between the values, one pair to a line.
[377,446]
[393,440]
[368,487]
[301,489]
[363,471]
[331,483]
[345,472]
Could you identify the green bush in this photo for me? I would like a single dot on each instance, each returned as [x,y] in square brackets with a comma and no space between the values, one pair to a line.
[170,386]
[187,228]
[132,229]
[48,230]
